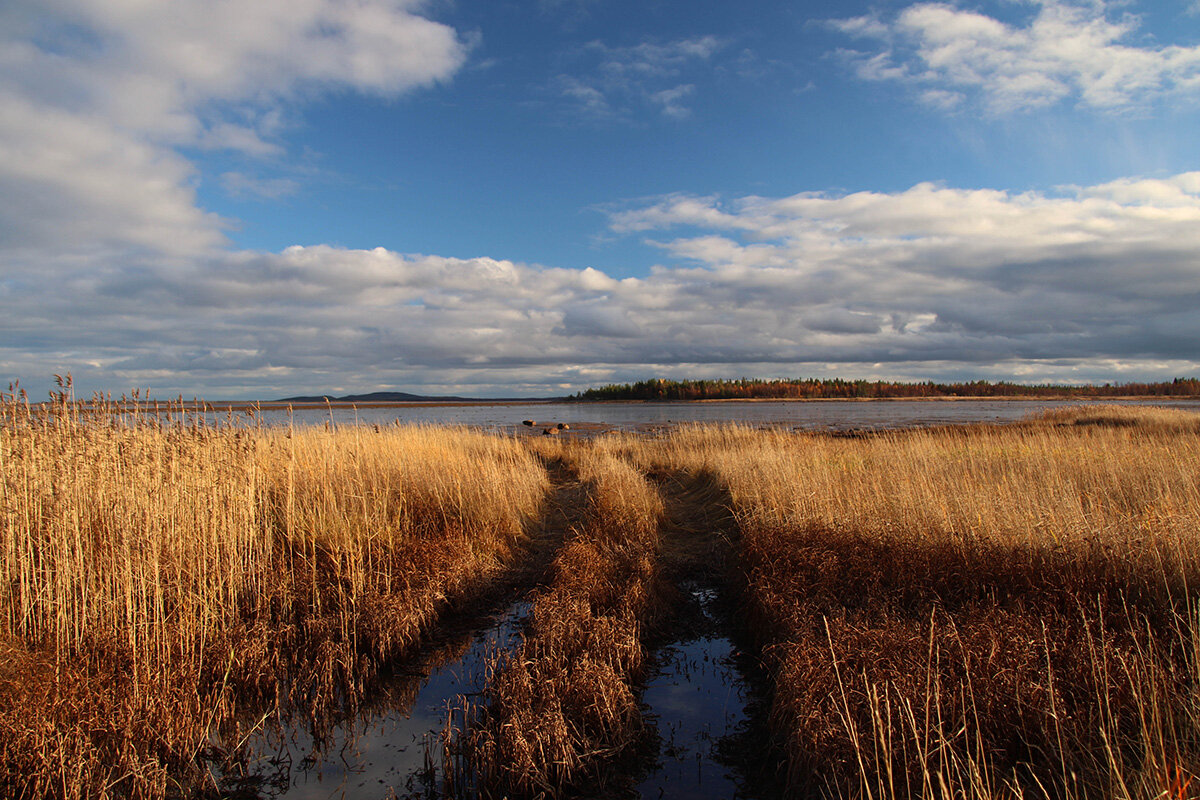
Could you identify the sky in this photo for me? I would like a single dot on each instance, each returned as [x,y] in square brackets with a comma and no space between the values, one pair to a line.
[250,199]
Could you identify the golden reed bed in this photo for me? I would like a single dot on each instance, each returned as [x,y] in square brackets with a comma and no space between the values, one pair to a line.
[160,578]
[968,612]
[975,612]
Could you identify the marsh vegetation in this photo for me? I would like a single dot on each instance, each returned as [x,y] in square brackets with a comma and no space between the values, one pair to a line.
[974,611]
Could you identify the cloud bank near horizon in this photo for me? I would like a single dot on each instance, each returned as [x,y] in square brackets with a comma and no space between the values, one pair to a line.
[1086,283]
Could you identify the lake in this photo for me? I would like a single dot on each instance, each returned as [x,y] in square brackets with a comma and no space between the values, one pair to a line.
[820,415]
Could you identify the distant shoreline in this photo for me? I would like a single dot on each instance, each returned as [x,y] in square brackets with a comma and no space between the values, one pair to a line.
[217,406]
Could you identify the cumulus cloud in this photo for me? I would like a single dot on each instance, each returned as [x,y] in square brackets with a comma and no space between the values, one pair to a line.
[1068,51]
[1098,282]
[109,268]
[98,97]
[157,67]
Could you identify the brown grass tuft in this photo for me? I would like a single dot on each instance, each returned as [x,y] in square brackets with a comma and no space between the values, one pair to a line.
[975,612]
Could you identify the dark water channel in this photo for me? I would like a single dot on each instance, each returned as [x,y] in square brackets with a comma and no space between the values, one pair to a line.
[393,748]
[705,696]
[701,696]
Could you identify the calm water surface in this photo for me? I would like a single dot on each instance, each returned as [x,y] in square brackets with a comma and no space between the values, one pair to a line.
[825,415]
[383,752]
[697,697]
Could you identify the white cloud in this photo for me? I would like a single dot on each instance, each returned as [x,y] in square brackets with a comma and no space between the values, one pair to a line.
[1068,50]
[153,67]
[671,100]
[242,138]
[99,94]
[1080,283]
[109,268]
[73,183]
[586,99]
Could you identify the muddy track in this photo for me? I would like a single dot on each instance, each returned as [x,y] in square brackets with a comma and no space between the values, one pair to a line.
[719,744]
[698,525]
[528,571]
[691,641]
[530,568]
[565,510]
[560,709]
[452,654]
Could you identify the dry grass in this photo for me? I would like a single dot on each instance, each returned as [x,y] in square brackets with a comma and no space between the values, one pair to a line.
[563,706]
[378,530]
[976,612]
[157,576]
[979,612]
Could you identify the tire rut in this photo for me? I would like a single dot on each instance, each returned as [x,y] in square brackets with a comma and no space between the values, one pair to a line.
[565,510]
[450,659]
[718,743]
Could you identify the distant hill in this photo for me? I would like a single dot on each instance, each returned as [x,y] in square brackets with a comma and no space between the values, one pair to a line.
[377,397]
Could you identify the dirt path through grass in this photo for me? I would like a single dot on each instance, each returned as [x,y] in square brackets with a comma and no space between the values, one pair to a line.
[695,532]
[633,678]
[565,510]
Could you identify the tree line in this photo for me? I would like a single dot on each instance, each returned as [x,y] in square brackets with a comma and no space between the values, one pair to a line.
[841,389]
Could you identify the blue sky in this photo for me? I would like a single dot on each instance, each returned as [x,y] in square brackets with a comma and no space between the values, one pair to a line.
[247,200]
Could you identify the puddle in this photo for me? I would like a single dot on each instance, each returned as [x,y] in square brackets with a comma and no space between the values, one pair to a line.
[385,751]
[698,697]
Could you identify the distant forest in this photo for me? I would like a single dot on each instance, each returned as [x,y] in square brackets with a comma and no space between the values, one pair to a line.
[837,388]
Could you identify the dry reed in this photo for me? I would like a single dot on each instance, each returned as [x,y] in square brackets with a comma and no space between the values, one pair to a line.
[563,707]
[158,575]
[982,612]
[976,612]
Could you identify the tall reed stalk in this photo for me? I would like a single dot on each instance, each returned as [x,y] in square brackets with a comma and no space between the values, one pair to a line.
[975,612]
[158,573]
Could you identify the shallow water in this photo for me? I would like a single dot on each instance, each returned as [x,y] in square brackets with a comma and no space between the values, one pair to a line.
[698,697]
[385,750]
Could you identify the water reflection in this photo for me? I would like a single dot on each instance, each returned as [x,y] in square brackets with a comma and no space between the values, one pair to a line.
[698,696]
[391,746]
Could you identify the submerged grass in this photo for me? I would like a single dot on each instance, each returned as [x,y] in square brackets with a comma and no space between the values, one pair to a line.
[563,707]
